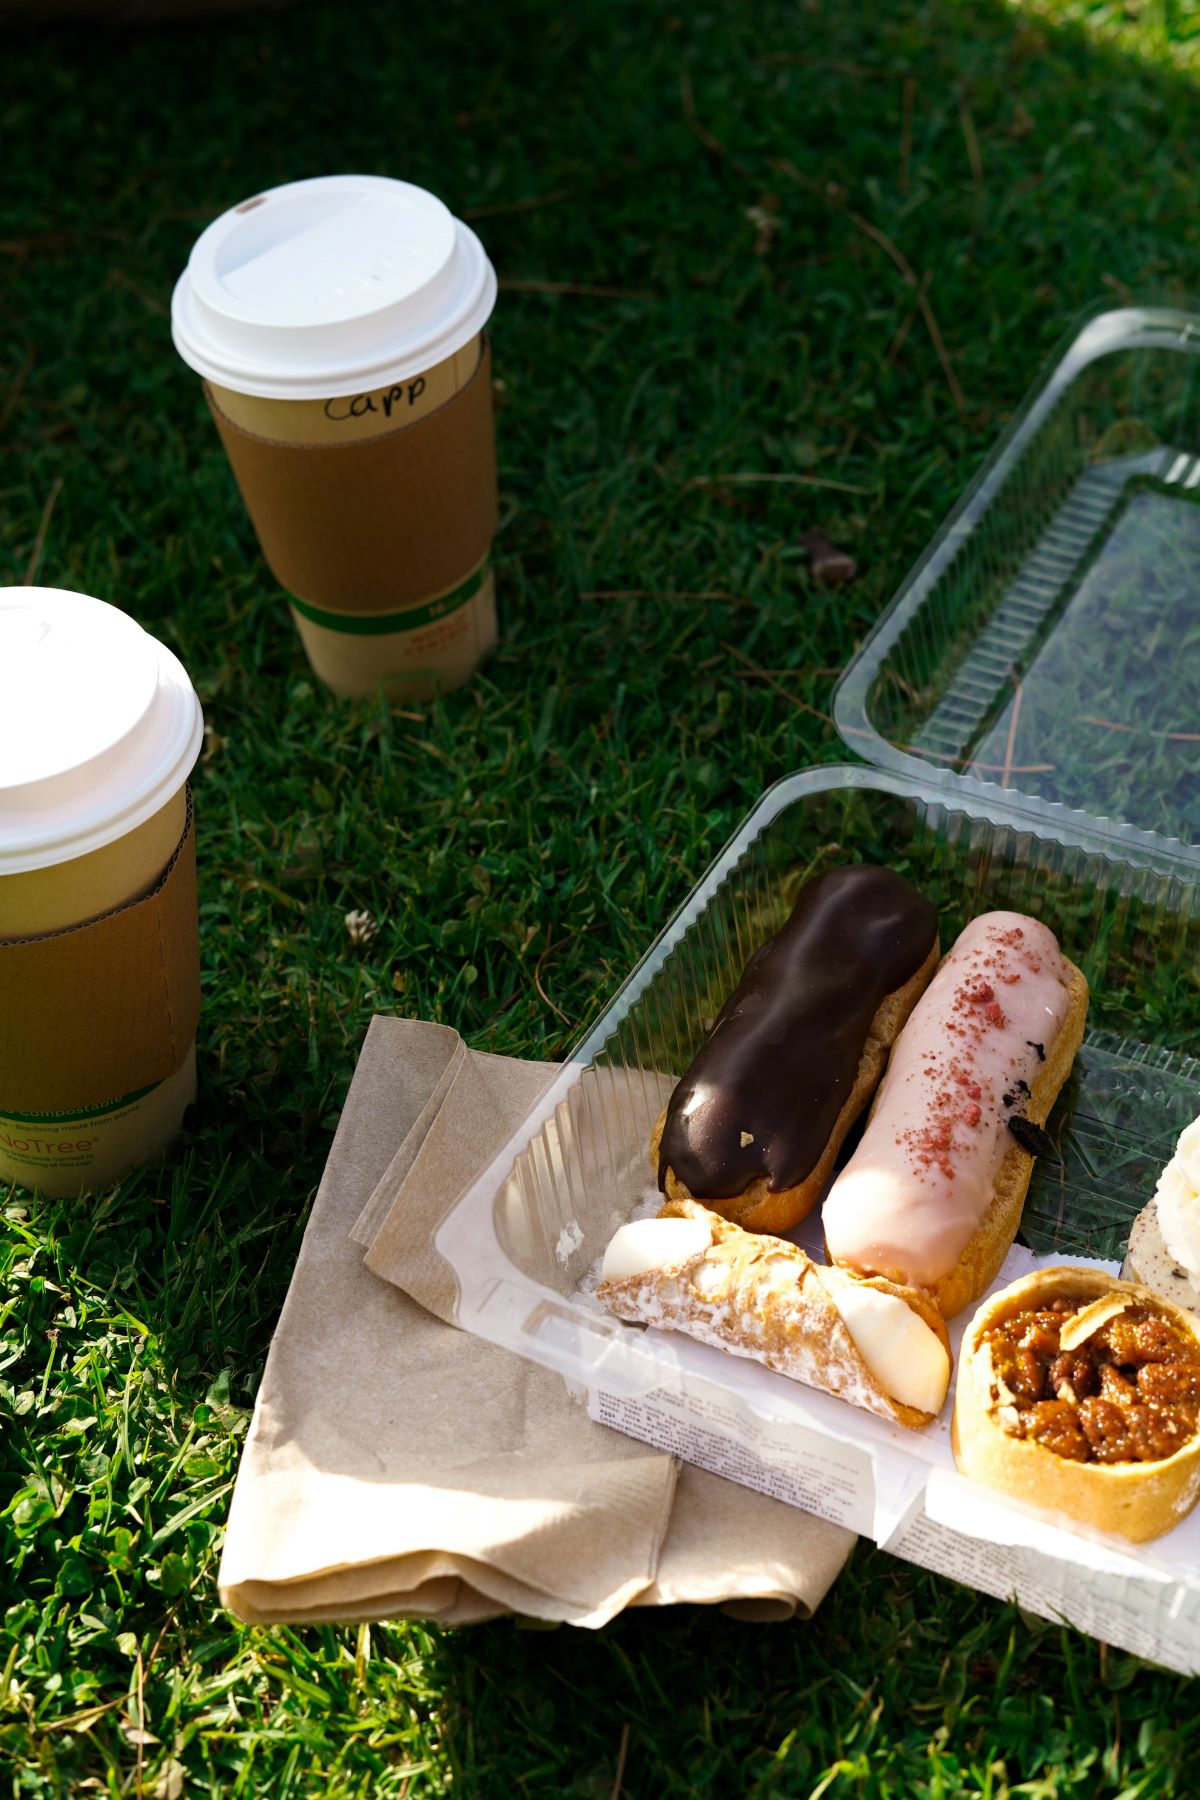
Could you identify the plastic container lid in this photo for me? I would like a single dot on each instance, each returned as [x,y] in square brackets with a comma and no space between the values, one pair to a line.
[99,726]
[1046,641]
[329,287]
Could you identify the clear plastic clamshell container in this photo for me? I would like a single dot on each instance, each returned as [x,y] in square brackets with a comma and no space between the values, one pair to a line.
[1060,592]
[1046,641]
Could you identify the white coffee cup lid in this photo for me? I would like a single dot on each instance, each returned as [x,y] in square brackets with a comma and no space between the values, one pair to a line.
[330,287]
[99,726]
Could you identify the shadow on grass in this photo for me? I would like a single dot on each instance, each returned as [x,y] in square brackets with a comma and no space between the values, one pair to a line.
[902,1684]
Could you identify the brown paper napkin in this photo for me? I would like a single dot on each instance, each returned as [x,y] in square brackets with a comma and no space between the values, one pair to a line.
[396,1466]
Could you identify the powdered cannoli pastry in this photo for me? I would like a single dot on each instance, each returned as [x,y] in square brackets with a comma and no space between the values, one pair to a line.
[1080,1393]
[869,1342]
[932,1196]
[797,1050]
[1164,1245]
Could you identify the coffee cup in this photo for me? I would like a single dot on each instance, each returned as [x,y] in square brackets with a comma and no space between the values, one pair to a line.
[337,324]
[99,956]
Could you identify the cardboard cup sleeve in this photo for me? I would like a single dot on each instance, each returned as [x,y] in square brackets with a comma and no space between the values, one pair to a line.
[106,1008]
[377,526]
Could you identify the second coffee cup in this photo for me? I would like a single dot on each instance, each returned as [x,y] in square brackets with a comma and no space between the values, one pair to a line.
[99,958]
[338,325]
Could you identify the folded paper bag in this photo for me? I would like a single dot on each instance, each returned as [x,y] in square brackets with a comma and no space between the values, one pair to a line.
[397,1467]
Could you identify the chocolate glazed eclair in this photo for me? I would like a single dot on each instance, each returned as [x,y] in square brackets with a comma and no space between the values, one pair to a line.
[797,1050]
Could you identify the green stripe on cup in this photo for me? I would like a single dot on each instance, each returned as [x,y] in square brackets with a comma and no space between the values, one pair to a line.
[74,1117]
[375,624]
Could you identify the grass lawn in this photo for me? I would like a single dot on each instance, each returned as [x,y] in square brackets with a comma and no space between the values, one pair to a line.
[828,241]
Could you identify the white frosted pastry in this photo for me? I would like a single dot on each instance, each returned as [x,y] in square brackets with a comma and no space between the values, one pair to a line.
[932,1195]
[1164,1244]
[1178,1197]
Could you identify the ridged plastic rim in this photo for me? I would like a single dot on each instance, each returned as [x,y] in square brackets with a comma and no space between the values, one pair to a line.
[991,806]
[1098,333]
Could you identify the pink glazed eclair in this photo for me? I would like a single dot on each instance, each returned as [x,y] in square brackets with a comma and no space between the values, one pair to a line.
[932,1197]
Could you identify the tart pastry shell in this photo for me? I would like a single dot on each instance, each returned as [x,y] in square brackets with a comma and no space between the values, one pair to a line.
[1137,1501]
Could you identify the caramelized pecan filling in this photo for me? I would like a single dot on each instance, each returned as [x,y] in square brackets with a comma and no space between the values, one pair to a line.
[1129,1393]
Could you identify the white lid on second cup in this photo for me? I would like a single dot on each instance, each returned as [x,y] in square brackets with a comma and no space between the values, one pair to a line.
[99,726]
[329,287]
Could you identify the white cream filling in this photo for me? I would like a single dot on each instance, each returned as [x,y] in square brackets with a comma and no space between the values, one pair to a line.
[1178,1196]
[904,1354]
[711,1279]
[653,1244]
